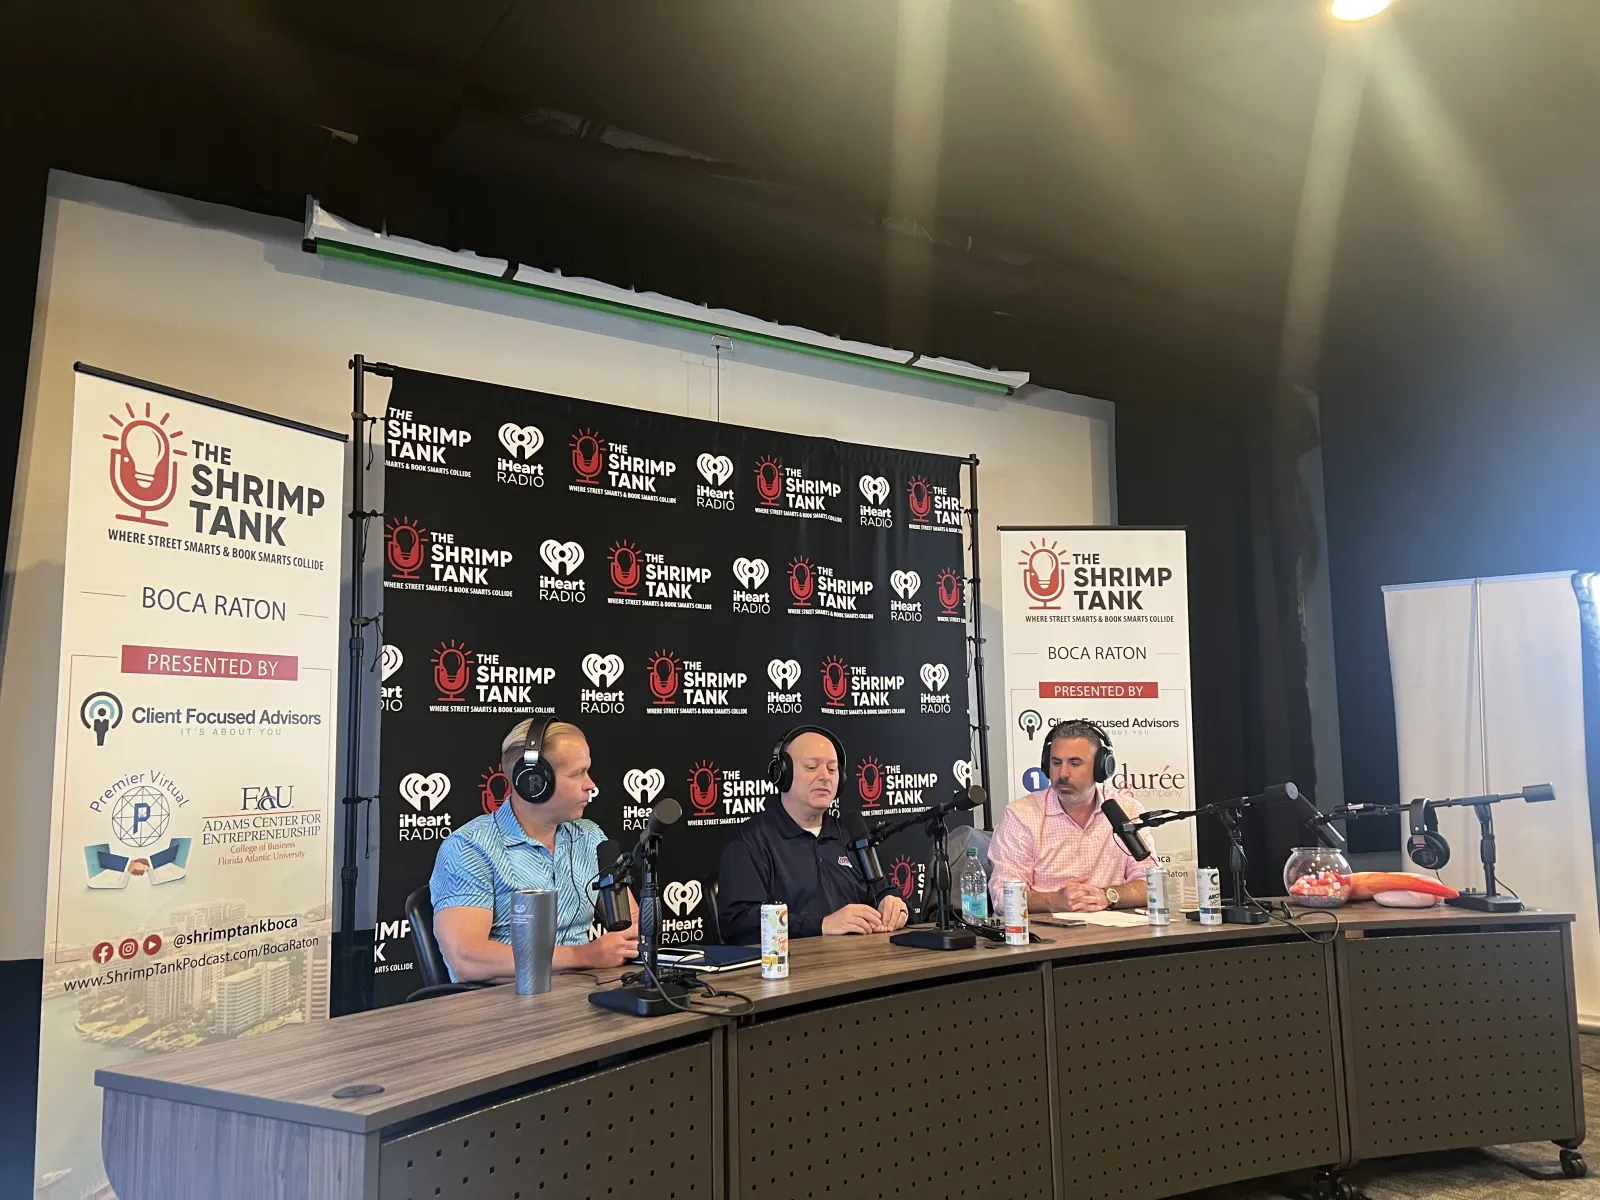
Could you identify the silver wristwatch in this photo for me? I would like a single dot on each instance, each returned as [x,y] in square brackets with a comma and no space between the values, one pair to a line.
[1112,897]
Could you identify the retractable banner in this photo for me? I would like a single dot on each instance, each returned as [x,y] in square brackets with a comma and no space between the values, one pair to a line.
[190,868]
[684,591]
[1096,625]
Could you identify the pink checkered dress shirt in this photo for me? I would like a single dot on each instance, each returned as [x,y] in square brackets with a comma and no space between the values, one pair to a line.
[1038,843]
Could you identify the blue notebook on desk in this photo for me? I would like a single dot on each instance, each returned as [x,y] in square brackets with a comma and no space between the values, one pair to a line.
[709,959]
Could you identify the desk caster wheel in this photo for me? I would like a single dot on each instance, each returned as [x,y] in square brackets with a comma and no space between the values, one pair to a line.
[1572,1165]
[1325,1185]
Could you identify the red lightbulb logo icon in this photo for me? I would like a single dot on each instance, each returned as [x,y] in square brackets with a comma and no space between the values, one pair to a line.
[143,473]
[904,876]
[949,591]
[704,784]
[494,789]
[802,581]
[625,568]
[869,782]
[1042,576]
[663,672]
[769,480]
[921,499]
[835,679]
[452,670]
[405,546]
[588,455]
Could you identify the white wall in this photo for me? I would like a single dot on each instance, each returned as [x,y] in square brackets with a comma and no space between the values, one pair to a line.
[227,304]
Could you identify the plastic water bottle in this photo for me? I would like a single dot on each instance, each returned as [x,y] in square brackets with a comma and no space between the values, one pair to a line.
[974,888]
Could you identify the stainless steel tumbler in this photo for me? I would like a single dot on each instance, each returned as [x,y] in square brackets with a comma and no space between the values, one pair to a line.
[533,939]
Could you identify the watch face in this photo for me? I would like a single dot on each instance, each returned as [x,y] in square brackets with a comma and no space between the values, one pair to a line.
[1111,897]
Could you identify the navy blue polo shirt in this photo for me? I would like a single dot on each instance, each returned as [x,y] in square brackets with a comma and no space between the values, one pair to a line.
[772,860]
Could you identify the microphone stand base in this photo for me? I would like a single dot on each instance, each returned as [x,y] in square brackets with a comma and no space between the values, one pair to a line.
[935,939]
[1243,914]
[641,1000]
[1478,902]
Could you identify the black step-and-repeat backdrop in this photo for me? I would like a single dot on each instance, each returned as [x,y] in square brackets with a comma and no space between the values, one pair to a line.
[684,591]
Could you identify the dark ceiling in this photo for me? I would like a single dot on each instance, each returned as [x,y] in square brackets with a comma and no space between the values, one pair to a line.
[1132,170]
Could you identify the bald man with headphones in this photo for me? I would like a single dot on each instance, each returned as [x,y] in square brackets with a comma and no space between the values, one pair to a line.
[793,852]
[537,839]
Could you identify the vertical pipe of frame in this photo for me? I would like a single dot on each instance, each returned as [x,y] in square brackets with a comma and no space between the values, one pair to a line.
[975,599]
[349,973]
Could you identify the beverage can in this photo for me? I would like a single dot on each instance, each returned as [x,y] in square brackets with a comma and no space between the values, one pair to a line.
[1158,895]
[1210,886]
[774,941]
[1016,912]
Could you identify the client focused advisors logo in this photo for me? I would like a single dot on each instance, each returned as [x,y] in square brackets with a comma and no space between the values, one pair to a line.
[522,443]
[100,712]
[1044,575]
[790,492]
[748,597]
[716,470]
[405,546]
[563,559]
[933,507]
[785,675]
[720,797]
[948,589]
[649,580]
[642,787]
[822,591]
[144,471]
[452,671]
[494,789]
[1030,722]
[689,688]
[602,670]
[424,793]
[682,899]
[613,469]
[858,691]
[869,782]
[391,699]
[874,512]
[934,698]
[904,605]
[415,445]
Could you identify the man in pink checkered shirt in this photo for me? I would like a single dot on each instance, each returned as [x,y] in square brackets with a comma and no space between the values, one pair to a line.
[1059,843]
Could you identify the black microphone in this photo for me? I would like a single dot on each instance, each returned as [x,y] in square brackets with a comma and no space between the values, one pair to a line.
[1126,834]
[663,814]
[863,851]
[616,913]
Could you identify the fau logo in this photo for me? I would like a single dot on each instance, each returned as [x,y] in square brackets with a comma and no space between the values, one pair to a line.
[835,680]
[1043,577]
[769,481]
[494,789]
[705,784]
[452,670]
[405,546]
[802,581]
[143,473]
[588,455]
[949,591]
[869,782]
[625,570]
[664,671]
[920,498]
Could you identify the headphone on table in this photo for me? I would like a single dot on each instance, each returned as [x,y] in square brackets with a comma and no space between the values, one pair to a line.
[1105,758]
[1426,845]
[780,768]
[534,779]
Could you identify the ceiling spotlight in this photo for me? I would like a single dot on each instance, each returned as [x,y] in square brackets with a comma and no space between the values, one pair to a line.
[1356,10]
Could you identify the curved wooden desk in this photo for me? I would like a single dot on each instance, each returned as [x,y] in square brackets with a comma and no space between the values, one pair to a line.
[1105,1062]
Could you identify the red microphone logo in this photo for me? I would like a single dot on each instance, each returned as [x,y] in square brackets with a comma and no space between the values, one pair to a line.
[949,591]
[588,455]
[769,480]
[904,876]
[835,679]
[452,670]
[625,567]
[143,473]
[1042,575]
[405,545]
[494,789]
[663,673]
[921,498]
[704,783]
[869,782]
[802,580]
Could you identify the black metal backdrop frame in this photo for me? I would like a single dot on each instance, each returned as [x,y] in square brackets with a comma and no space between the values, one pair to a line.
[353,985]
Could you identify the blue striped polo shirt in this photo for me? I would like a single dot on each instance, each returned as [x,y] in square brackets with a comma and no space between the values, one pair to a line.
[488,858]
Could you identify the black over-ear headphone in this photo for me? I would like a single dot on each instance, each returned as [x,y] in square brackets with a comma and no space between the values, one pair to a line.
[534,779]
[780,769]
[1105,758]
[1426,845]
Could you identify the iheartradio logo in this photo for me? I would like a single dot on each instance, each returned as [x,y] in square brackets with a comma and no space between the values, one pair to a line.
[392,660]
[961,772]
[769,481]
[1044,576]
[588,455]
[905,583]
[405,544]
[920,498]
[452,670]
[561,557]
[802,581]
[715,469]
[625,568]
[602,669]
[935,676]
[494,789]
[949,591]
[682,898]
[835,680]
[750,572]
[644,786]
[705,785]
[521,441]
[874,489]
[869,782]
[665,672]
[417,789]
[143,473]
[784,673]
